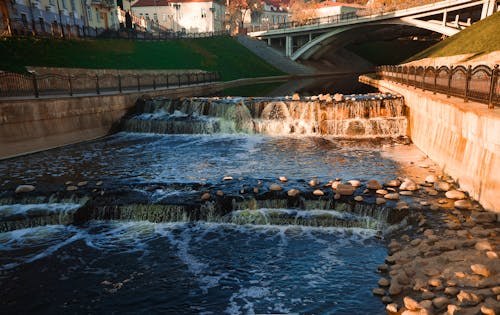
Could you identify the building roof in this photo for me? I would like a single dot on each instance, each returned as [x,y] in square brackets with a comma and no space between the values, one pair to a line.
[163,3]
[327,4]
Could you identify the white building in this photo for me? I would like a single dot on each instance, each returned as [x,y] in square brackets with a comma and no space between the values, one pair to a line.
[330,8]
[270,15]
[190,16]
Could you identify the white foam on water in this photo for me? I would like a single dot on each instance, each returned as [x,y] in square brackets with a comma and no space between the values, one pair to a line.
[7,210]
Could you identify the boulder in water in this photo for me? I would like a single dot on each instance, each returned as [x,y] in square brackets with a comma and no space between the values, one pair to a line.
[220,193]
[318,192]
[455,194]
[462,204]
[338,97]
[431,179]
[227,178]
[313,183]
[392,183]
[354,182]
[24,189]
[392,196]
[408,184]
[71,188]
[345,190]
[293,192]
[359,198]
[283,179]
[296,97]
[206,196]
[442,186]
[275,187]
[373,184]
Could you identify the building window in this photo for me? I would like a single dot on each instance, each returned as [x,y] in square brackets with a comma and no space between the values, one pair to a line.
[155,17]
[63,4]
[89,13]
[203,13]
[24,19]
[73,5]
[164,17]
[97,16]
[147,16]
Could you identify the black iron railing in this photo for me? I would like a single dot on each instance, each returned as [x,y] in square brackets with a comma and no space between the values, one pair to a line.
[28,85]
[479,83]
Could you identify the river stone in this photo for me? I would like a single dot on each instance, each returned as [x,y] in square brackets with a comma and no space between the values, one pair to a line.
[220,193]
[452,291]
[480,269]
[328,98]
[295,97]
[406,193]
[426,304]
[402,205]
[71,188]
[335,184]
[227,178]
[440,302]
[442,186]
[359,198]
[462,204]
[392,183]
[483,245]
[434,282]
[378,291]
[431,179]
[345,190]
[68,183]
[408,185]
[403,279]
[452,309]
[487,310]
[466,298]
[424,203]
[491,255]
[318,192]
[386,299]
[410,303]
[395,288]
[495,290]
[484,217]
[455,194]
[383,268]
[99,183]
[275,187]
[293,192]
[432,192]
[428,295]
[205,197]
[313,183]
[392,196]
[384,282]
[84,183]
[354,182]
[256,190]
[382,192]
[283,179]
[392,308]
[24,189]
[337,196]
[373,184]
[380,201]
[338,97]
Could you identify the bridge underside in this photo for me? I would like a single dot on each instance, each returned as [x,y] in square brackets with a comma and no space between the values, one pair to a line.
[314,43]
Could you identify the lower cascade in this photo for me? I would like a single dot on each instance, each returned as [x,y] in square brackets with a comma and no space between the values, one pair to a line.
[357,116]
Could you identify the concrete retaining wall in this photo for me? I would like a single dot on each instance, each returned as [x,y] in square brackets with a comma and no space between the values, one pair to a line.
[40,124]
[463,138]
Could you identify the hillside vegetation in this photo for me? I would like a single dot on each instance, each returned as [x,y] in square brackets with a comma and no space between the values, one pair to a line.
[223,54]
[480,38]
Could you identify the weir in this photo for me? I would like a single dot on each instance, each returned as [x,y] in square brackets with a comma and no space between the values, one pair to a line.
[357,116]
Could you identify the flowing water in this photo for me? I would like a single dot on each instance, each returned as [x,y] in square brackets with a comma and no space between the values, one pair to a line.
[261,257]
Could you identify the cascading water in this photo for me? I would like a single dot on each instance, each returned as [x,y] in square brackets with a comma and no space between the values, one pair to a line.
[148,243]
[353,117]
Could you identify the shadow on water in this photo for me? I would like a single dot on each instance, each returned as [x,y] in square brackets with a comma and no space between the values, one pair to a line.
[344,84]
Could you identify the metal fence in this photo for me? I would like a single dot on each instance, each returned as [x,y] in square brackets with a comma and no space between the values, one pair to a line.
[20,27]
[28,85]
[479,83]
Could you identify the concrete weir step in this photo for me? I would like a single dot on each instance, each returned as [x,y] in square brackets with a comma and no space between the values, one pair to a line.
[273,57]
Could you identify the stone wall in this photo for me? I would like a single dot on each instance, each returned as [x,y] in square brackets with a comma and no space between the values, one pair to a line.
[463,138]
[77,71]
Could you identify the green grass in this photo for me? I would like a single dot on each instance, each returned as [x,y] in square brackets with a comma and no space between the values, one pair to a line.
[223,54]
[480,38]
[388,52]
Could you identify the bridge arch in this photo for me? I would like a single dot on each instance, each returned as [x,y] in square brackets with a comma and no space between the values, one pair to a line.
[313,46]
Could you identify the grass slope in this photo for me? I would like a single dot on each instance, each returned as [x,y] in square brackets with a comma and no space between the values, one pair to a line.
[480,38]
[223,54]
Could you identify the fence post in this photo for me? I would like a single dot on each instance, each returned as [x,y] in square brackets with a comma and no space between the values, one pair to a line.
[138,83]
[35,86]
[179,79]
[70,85]
[435,81]
[450,74]
[188,78]
[120,83]
[493,83]
[154,82]
[415,79]
[407,76]
[468,76]
[167,81]
[423,79]
[97,84]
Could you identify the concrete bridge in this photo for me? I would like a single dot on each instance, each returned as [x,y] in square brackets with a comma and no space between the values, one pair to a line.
[310,40]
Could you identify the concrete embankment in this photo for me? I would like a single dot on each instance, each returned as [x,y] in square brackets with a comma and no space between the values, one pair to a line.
[30,125]
[461,137]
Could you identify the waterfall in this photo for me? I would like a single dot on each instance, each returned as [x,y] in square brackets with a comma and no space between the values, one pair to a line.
[354,117]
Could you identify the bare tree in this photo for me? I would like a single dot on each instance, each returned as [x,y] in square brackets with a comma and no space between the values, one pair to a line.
[238,9]
[302,10]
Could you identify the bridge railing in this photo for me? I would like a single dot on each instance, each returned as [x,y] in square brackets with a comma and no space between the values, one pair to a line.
[29,85]
[479,83]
